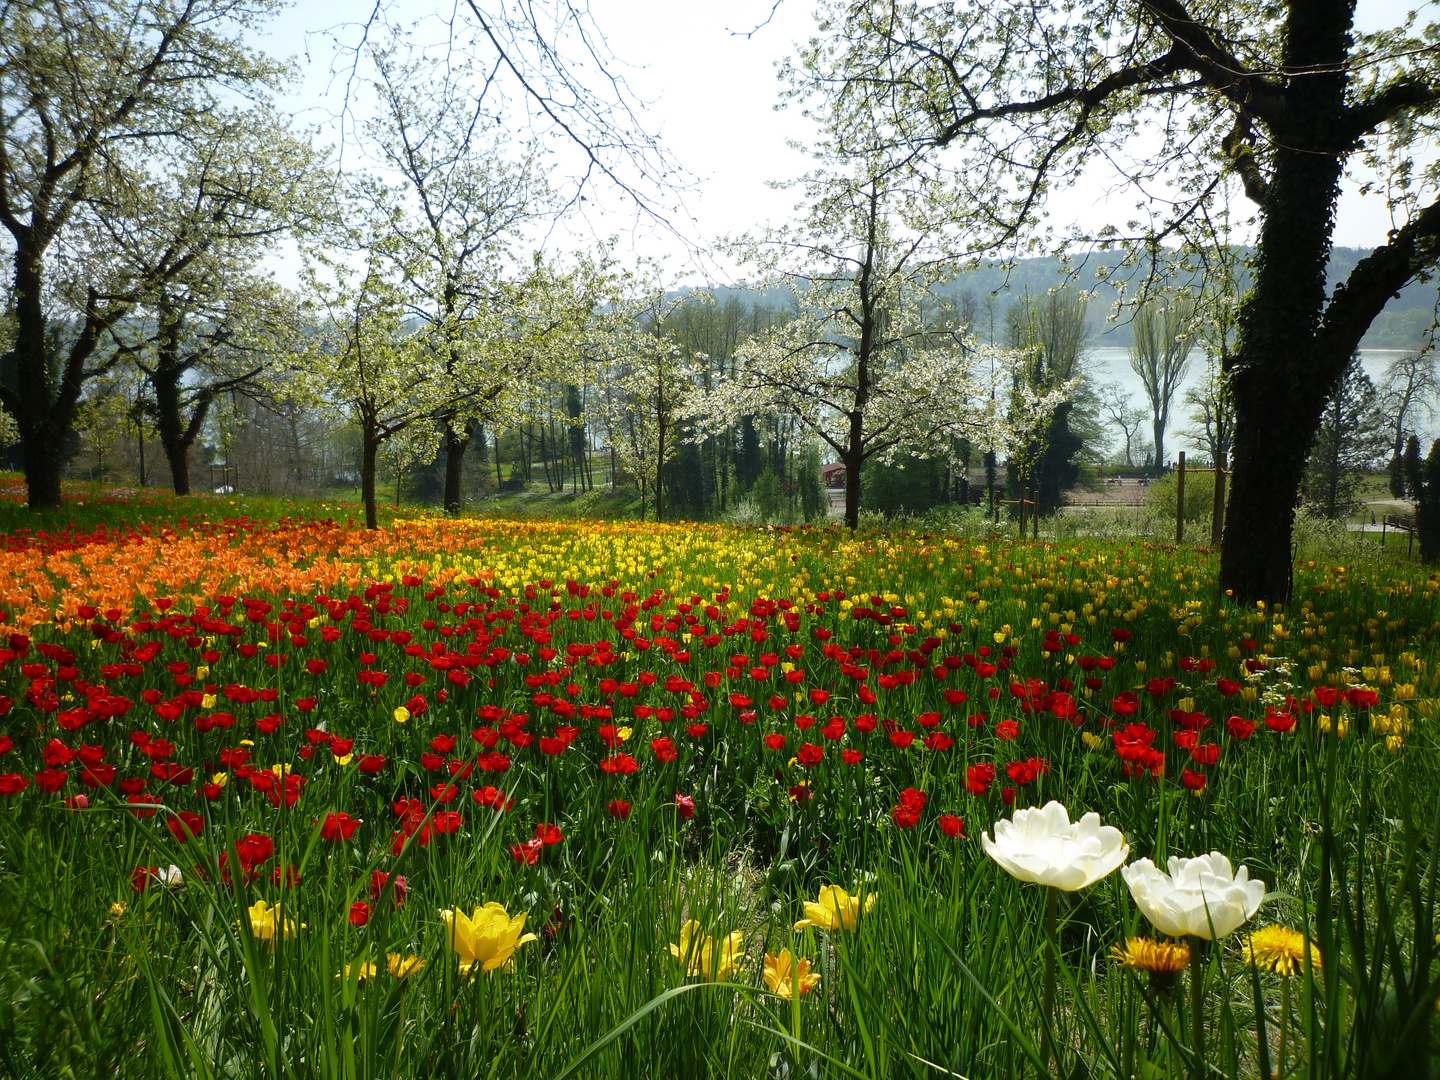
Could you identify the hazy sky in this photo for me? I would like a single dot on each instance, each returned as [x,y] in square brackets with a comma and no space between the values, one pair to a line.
[709,91]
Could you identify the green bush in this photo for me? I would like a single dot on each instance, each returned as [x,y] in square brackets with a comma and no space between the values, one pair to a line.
[1199,497]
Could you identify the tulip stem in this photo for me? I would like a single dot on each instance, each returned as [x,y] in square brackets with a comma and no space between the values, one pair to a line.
[1197,1007]
[1052,946]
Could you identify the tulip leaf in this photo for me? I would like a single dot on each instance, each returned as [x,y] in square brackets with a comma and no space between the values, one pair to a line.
[639,1014]
[1020,1037]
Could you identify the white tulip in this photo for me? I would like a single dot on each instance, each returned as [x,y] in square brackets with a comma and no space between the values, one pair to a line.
[1200,897]
[1041,845]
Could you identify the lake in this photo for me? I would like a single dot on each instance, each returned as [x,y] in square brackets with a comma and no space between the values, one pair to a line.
[1112,365]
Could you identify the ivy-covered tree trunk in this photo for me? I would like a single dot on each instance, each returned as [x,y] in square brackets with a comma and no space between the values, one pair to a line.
[1281,374]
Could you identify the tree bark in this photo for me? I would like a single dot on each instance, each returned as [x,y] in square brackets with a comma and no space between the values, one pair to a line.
[1279,378]
[370,448]
[456,443]
[660,471]
[1217,511]
[165,379]
[852,461]
[177,453]
[42,404]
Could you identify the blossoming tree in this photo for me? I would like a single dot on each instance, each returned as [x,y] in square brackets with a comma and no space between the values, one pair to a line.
[649,381]
[865,365]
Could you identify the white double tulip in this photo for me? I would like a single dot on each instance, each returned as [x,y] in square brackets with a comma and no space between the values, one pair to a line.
[1201,897]
[1041,845]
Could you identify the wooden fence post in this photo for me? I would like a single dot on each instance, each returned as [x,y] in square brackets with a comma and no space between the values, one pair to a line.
[1180,499]
[1024,502]
[1035,521]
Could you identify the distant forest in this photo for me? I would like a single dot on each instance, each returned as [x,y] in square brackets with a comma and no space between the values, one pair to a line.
[1402,325]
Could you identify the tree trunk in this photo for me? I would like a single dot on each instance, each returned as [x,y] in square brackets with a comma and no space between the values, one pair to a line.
[44,395]
[456,442]
[1332,494]
[178,455]
[39,413]
[371,445]
[1217,511]
[1157,431]
[852,462]
[1279,379]
[660,472]
[165,381]
[545,462]
[44,461]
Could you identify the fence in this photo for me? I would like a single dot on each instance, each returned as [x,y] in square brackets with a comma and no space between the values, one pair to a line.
[224,479]
[1217,512]
[1399,523]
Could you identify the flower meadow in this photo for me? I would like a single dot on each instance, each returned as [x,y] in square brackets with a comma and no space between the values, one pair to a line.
[470,798]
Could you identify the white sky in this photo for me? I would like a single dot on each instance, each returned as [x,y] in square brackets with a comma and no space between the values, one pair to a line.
[710,93]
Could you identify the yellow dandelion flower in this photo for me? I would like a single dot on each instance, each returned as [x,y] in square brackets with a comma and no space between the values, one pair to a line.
[1280,949]
[1163,961]
[1156,957]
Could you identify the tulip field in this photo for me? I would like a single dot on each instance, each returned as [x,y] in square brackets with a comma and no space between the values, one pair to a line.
[483,798]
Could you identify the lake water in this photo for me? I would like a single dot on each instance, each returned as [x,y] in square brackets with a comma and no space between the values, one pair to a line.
[1112,365]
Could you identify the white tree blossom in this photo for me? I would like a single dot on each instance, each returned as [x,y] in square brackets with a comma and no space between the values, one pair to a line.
[647,387]
[867,365]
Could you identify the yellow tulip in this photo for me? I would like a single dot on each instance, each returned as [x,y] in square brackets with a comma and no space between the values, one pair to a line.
[836,909]
[785,977]
[712,959]
[402,967]
[267,924]
[489,937]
